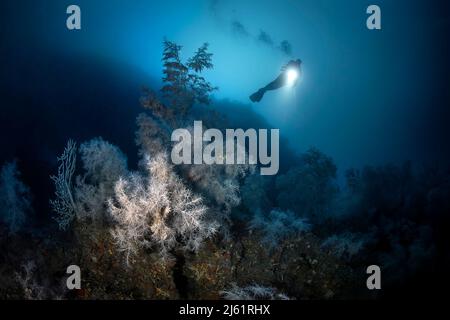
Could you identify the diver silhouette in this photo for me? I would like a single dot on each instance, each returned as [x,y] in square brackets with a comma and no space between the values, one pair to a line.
[288,76]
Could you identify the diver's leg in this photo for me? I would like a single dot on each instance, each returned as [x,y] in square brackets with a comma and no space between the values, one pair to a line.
[275,84]
[258,95]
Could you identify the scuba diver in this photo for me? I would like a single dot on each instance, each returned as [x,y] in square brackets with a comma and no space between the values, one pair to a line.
[289,75]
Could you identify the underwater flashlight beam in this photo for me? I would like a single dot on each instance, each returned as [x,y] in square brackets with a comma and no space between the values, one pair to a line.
[292,76]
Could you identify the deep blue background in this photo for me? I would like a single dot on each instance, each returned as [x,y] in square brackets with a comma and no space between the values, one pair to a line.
[367,97]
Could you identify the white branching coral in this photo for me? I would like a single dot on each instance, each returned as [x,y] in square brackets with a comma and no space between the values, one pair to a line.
[104,163]
[157,210]
[219,182]
[64,204]
[151,138]
[278,225]
[130,213]
[86,197]
[220,186]
[346,245]
[15,198]
[253,292]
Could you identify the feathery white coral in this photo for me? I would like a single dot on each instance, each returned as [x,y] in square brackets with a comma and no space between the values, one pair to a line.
[102,161]
[64,204]
[278,224]
[157,210]
[252,292]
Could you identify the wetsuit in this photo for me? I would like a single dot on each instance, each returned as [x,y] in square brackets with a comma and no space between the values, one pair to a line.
[279,82]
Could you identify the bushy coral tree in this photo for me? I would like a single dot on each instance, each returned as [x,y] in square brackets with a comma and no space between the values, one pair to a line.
[157,210]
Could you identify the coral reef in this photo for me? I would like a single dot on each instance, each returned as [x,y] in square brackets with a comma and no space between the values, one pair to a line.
[154,230]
